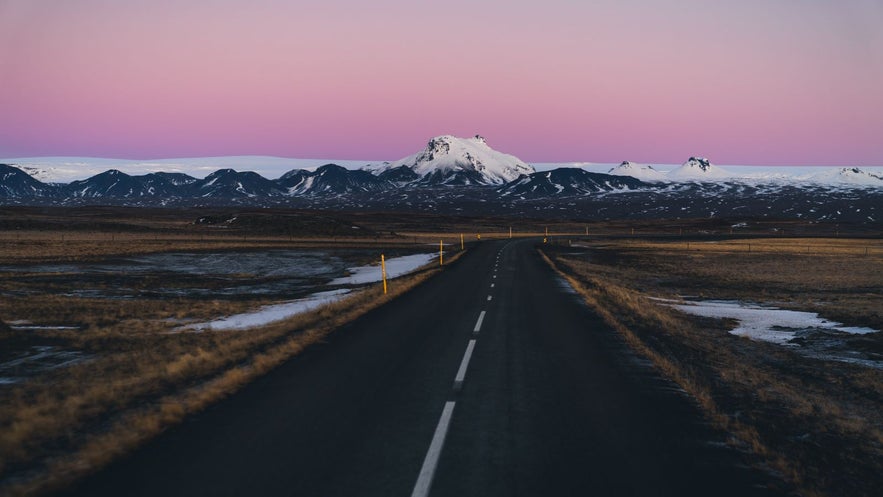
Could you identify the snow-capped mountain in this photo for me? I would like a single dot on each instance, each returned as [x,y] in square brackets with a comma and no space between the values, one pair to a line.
[331,179]
[448,160]
[698,169]
[16,183]
[228,183]
[846,175]
[567,181]
[117,184]
[426,182]
[177,179]
[68,169]
[643,172]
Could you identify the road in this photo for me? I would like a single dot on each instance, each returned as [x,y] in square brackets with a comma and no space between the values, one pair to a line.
[492,378]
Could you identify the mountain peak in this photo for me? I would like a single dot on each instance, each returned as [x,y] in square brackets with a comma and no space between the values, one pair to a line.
[448,159]
[701,162]
[700,169]
[642,172]
[847,175]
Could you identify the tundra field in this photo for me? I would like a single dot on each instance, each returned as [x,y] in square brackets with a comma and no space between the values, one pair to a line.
[809,406]
[97,362]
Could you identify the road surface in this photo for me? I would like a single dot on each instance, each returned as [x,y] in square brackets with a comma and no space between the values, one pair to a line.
[491,378]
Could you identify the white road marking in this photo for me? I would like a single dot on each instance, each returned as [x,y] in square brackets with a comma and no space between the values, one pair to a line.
[464,364]
[495,276]
[427,472]
[492,285]
[489,297]
[478,324]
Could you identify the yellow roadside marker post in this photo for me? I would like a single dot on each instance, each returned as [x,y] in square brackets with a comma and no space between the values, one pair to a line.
[461,242]
[383,271]
[441,253]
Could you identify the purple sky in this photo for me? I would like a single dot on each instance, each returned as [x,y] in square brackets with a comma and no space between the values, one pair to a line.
[742,82]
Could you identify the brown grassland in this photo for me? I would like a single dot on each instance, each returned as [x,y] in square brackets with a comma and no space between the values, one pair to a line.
[818,423]
[140,377]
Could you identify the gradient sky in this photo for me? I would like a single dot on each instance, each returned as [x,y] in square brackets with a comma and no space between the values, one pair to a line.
[776,82]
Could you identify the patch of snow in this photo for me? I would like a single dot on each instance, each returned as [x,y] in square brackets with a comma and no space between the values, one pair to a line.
[769,324]
[269,314]
[395,267]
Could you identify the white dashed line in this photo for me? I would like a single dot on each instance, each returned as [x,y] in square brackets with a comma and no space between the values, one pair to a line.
[464,364]
[489,297]
[427,472]
[478,323]
[492,285]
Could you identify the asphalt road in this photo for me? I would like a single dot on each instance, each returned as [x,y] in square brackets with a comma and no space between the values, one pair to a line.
[551,403]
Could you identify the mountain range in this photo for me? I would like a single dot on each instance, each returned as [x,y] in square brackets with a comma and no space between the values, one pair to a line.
[467,176]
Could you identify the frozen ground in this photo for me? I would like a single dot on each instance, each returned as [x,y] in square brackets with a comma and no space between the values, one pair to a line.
[812,334]
[35,360]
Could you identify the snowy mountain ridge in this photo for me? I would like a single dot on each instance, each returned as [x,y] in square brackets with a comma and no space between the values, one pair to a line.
[643,172]
[698,169]
[451,160]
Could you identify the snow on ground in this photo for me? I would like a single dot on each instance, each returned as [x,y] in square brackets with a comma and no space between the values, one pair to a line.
[269,314]
[394,267]
[769,324]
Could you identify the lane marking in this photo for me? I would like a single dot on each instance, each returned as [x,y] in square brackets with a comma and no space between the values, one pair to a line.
[492,285]
[478,324]
[495,276]
[489,297]
[464,364]
[430,463]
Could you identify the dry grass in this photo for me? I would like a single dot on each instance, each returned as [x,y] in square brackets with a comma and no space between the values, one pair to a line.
[819,424]
[63,425]
[790,246]
[42,246]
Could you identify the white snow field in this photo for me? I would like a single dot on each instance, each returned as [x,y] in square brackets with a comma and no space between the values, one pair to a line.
[769,324]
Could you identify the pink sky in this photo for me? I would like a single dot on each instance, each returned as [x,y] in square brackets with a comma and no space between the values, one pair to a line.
[741,82]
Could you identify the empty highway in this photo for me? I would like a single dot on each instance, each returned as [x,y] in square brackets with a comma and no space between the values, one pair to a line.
[490,379]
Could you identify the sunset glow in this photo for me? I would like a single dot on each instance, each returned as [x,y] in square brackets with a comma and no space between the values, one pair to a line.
[747,82]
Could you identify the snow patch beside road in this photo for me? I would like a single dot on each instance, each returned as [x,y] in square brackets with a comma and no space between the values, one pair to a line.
[362,275]
[769,324]
[395,267]
[269,314]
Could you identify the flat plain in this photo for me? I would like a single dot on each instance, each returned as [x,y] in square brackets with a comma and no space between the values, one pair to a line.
[113,368]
